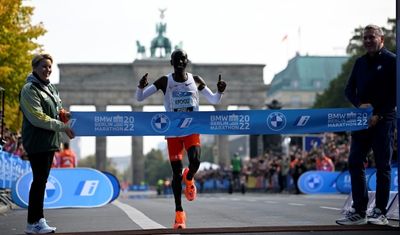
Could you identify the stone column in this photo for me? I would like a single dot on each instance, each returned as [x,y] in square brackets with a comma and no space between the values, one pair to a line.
[137,158]
[101,145]
[222,143]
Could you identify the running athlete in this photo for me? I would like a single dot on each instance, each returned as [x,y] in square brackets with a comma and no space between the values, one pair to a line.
[181,94]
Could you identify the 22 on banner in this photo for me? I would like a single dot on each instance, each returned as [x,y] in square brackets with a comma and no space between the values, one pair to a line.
[237,122]
[68,187]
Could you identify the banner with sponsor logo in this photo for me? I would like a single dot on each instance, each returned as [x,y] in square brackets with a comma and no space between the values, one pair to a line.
[11,168]
[68,187]
[238,122]
[394,186]
[115,183]
[343,181]
[318,182]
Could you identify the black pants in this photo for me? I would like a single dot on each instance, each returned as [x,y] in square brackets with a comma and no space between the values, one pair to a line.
[380,139]
[40,164]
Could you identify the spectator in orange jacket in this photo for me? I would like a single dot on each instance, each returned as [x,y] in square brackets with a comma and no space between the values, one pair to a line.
[67,157]
[324,163]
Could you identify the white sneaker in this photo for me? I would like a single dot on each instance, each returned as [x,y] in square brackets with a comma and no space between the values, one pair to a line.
[377,218]
[40,227]
[352,218]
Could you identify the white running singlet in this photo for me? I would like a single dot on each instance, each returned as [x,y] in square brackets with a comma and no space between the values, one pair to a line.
[181,96]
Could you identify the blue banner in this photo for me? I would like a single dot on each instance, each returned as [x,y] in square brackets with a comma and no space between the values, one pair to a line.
[238,122]
[394,181]
[68,187]
[312,142]
[318,182]
[343,181]
[115,183]
[11,168]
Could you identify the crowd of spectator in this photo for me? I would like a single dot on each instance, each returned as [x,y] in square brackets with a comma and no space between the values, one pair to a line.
[12,142]
[274,171]
[279,171]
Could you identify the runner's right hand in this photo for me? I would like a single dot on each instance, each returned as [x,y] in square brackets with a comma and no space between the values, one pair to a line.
[143,82]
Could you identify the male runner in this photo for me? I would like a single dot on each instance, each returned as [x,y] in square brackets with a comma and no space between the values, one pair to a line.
[181,94]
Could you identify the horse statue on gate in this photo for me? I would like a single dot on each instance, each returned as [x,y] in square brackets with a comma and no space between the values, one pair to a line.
[161,41]
[141,50]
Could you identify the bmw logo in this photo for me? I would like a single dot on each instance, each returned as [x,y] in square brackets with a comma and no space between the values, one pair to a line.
[53,191]
[160,123]
[52,194]
[314,182]
[276,121]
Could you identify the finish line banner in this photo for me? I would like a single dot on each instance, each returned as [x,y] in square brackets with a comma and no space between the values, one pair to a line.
[235,122]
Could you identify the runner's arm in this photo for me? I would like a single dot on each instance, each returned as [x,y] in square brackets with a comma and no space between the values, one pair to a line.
[143,93]
[213,98]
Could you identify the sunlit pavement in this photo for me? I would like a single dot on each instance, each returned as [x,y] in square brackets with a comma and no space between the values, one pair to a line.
[110,219]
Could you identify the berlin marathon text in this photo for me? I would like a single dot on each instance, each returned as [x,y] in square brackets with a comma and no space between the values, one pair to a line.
[224,127]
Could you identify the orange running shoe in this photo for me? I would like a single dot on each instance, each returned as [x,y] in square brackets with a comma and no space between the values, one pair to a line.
[190,189]
[180,220]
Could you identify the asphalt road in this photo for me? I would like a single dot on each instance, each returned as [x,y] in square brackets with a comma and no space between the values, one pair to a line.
[136,213]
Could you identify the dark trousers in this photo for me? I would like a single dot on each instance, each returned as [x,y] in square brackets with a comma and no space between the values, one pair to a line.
[40,164]
[380,139]
[282,180]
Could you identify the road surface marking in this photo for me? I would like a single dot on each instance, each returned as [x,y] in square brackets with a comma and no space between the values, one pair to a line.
[271,202]
[295,204]
[330,208]
[137,216]
[250,200]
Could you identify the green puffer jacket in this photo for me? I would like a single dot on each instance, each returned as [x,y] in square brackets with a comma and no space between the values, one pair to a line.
[40,105]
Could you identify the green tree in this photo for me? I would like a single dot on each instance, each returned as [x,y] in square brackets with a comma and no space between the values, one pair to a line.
[333,96]
[207,154]
[90,162]
[156,167]
[17,45]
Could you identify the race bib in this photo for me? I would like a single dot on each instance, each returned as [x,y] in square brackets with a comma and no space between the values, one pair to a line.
[182,101]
